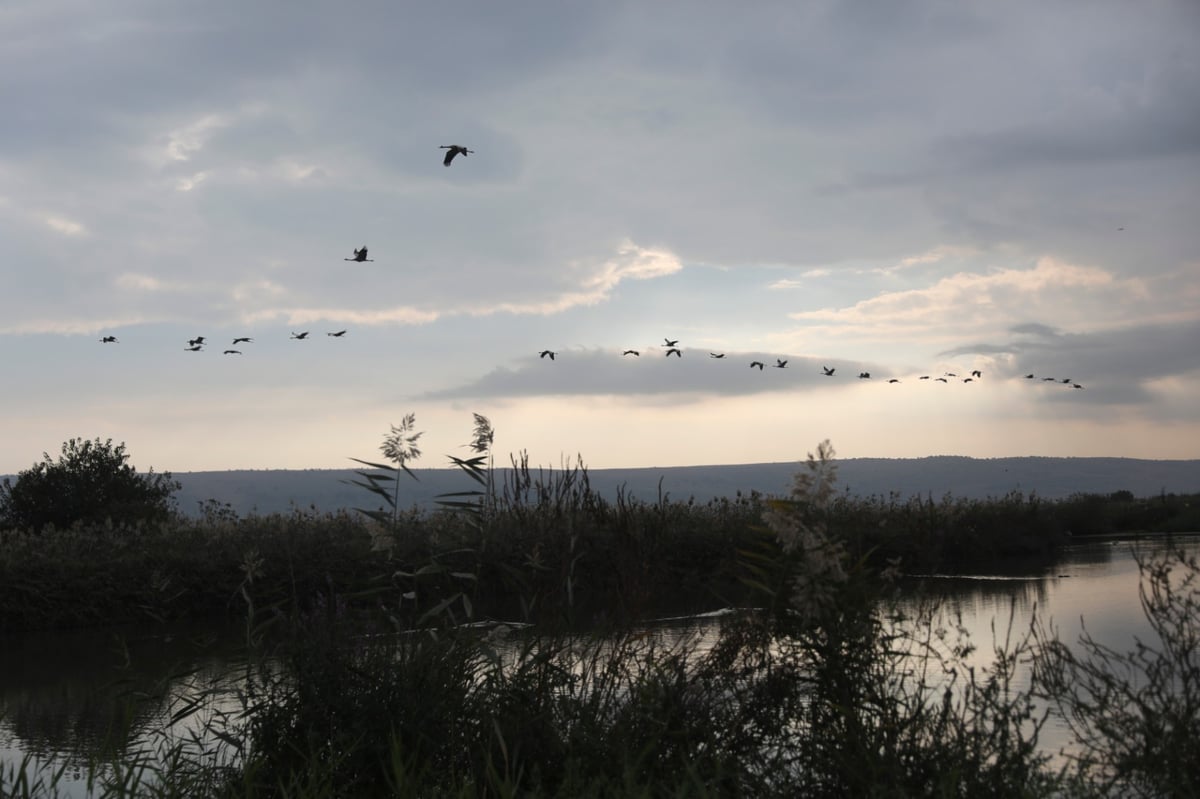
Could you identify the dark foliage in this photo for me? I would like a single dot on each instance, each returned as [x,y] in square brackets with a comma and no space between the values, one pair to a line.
[91,483]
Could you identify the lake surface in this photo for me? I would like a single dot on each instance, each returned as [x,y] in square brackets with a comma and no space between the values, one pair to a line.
[61,694]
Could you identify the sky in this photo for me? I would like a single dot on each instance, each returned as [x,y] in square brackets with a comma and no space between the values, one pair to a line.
[905,188]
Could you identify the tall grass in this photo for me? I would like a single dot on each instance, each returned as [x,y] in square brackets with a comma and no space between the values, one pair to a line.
[364,679]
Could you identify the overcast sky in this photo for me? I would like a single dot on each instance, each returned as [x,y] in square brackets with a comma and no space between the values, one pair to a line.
[905,188]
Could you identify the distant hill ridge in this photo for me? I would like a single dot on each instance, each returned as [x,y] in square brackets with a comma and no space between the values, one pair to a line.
[268,491]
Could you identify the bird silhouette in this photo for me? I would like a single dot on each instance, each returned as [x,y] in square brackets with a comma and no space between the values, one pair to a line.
[924,377]
[864,375]
[194,341]
[194,348]
[940,380]
[716,355]
[674,351]
[976,373]
[233,352]
[1029,376]
[632,352]
[360,256]
[1047,379]
[338,334]
[1076,385]
[780,364]
[951,374]
[670,342]
[828,372]
[968,380]
[894,380]
[453,150]
[1067,380]
[759,364]
[243,340]
[109,340]
[300,336]
[544,353]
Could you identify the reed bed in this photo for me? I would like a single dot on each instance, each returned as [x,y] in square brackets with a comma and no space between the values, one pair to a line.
[368,675]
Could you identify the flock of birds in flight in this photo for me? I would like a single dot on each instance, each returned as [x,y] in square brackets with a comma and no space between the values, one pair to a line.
[670,345]
[360,256]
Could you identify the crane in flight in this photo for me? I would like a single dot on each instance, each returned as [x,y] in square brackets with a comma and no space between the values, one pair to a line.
[780,363]
[632,352]
[242,340]
[674,351]
[544,353]
[338,334]
[300,336]
[109,340]
[828,372]
[453,150]
[360,255]
[759,364]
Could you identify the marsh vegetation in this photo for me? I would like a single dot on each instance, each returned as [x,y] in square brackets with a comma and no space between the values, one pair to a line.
[497,647]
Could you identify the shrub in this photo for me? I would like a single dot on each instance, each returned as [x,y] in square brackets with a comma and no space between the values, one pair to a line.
[91,483]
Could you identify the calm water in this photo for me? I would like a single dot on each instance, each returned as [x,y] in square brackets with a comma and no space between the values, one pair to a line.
[62,693]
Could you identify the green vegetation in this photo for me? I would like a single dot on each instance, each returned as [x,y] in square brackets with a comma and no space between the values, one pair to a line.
[826,689]
[375,666]
[91,484]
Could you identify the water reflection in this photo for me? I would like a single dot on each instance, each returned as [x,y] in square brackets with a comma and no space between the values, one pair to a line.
[77,696]
[81,695]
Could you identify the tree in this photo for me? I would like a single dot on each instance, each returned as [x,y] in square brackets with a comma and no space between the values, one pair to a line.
[91,482]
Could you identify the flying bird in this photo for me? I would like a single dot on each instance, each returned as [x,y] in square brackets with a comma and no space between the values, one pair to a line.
[1067,380]
[242,340]
[233,352]
[453,150]
[924,377]
[632,352]
[544,353]
[894,380]
[716,355]
[976,373]
[109,340]
[1076,385]
[360,255]
[864,375]
[968,379]
[780,364]
[941,380]
[299,336]
[759,364]
[338,334]
[1029,376]
[674,351]
[194,348]
[194,341]
[670,342]
[828,372]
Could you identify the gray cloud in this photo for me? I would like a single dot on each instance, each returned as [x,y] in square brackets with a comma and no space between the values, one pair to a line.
[920,173]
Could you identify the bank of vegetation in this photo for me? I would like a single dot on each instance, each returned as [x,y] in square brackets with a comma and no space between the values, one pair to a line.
[498,647]
[541,546]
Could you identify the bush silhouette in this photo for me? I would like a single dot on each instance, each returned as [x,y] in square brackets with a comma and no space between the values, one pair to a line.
[91,483]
